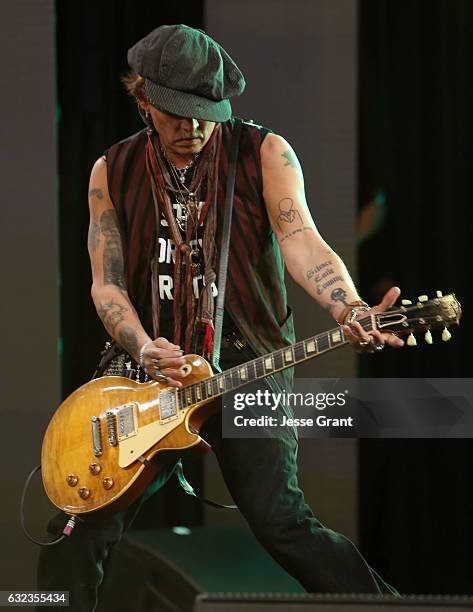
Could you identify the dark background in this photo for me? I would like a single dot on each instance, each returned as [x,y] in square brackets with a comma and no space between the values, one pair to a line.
[415,100]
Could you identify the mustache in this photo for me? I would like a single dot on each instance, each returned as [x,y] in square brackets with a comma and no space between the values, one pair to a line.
[190,136]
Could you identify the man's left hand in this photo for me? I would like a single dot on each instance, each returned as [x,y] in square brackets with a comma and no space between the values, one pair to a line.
[364,342]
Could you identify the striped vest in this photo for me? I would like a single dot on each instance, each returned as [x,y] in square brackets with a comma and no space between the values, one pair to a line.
[255,293]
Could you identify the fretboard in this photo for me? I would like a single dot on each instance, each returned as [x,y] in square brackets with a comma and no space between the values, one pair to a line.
[266,365]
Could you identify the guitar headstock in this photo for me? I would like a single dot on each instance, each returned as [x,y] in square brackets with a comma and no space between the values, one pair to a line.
[423,315]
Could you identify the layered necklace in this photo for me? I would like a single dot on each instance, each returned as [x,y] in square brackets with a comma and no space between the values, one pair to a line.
[186,196]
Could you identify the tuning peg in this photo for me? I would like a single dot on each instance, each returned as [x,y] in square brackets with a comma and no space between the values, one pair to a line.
[411,340]
[423,298]
[428,337]
[439,293]
[406,302]
[446,335]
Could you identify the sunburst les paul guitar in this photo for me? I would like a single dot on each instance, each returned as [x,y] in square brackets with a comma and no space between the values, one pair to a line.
[110,438]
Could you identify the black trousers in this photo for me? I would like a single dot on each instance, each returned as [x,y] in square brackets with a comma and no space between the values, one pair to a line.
[261,475]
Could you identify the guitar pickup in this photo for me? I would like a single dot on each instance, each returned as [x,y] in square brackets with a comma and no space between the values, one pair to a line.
[126,421]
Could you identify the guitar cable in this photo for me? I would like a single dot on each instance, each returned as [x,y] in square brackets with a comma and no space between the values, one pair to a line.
[68,528]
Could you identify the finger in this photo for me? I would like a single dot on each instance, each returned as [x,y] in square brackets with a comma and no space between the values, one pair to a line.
[170,382]
[388,300]
[378,337]
[172,374]
[165,343]
[360,332]
[170,363]
[161,353]
[393,340]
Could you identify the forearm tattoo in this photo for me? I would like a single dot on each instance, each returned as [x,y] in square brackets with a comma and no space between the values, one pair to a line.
[128,340]
[112,313]
[113,267]
[94,236]
[324,276]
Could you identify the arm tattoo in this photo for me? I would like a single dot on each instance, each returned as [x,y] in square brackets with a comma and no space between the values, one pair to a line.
[112,313]
[291,159]
[96,193]
[287,214]
[127,338]
[113,267]
[323,277]
[296,231]
[94,236]
[339,295]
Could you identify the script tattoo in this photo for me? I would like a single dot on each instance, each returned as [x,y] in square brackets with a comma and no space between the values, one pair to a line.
[94,236]
[291,159]
[323,276]
[287,213]
[112,313]
[113,268]
[96,193]
[127,338]
[296,231]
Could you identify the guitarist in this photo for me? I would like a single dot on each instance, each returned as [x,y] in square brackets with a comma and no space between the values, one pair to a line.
[156,208]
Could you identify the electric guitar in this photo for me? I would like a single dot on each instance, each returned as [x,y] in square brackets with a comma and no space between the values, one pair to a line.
[109,439]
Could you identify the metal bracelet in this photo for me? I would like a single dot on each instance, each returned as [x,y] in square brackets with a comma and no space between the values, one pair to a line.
[353,312]
[142,354]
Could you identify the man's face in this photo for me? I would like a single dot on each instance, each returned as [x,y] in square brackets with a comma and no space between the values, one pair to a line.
[180,136]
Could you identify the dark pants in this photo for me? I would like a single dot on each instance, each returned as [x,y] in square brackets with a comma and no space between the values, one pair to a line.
[261,475]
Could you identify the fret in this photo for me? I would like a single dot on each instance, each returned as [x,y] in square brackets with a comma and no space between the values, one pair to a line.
[288,355]
[268,364]
[336,336]
[208,387]
[259,367]
[221,383]
[299,352]
[323,342]
[188,396]
[192,394]
[198,392]
[243,373]
[278,360]
[215,389]
[251,369]
[311,346]
[228,380]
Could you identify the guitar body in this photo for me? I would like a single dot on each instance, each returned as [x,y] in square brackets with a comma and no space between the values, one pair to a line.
[111,437]
[108,440]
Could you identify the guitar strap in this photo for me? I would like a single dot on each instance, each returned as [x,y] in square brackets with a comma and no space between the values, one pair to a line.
[221,284]
[227,223]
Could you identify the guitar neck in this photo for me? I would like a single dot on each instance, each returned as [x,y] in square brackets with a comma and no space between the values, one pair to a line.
[263,366]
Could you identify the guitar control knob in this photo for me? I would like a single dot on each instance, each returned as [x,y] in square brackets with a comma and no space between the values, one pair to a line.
[84,492]
[107,483]
[72,480]
[95,468]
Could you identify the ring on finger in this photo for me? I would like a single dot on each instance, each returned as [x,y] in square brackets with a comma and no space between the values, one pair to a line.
[364,342]
[378,347]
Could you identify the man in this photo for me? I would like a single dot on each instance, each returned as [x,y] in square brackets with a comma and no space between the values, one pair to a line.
[156,208]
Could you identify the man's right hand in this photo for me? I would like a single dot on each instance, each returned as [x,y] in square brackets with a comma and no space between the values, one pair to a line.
[162,357]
